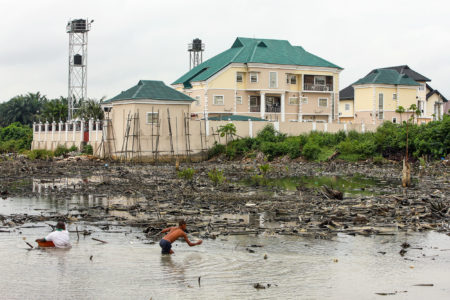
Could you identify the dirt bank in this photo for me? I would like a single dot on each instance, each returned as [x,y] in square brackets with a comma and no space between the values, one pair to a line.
[246,203]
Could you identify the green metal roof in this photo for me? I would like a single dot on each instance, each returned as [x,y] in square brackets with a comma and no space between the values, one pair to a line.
[150,89]
[386,76]
[234,118]
[249,50]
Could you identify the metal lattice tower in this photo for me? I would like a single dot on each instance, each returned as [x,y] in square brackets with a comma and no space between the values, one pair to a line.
[195,50]
[78,40]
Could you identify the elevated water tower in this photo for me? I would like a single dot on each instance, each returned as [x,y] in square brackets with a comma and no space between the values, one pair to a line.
[78,40]
[195,50]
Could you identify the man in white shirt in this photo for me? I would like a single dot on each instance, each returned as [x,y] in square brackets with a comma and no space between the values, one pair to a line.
[59,237]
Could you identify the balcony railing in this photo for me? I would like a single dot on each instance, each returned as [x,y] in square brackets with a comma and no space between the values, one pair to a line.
[273,109]
[255,108]
[318,87]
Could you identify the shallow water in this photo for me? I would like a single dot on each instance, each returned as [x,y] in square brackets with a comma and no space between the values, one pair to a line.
[128,267]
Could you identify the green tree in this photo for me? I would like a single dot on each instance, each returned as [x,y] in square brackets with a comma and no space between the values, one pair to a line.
[400,110]
[22,108]
[55,110]
[90,109]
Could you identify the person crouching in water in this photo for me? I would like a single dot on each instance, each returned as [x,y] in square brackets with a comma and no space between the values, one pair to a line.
[59,237]
[174,234]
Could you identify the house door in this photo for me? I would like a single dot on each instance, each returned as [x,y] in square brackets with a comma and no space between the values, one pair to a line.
[255,104]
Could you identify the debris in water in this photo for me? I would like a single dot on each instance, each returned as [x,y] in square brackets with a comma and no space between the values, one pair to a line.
[199,278]
[265,256]
[90,258]
[424,284]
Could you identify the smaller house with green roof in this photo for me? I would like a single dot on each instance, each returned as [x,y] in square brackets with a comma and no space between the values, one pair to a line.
[140,119]
[264,78]
[375,98]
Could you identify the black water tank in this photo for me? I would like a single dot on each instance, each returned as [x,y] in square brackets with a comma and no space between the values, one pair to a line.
[197,45]
[77,59]
[79,25]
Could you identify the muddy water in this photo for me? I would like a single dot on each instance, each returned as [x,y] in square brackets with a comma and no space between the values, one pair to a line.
[131,267]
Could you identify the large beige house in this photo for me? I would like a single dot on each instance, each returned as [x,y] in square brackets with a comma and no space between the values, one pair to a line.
[376,97]
[265,78]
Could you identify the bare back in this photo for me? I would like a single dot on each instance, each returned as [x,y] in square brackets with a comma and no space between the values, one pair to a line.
[174,234]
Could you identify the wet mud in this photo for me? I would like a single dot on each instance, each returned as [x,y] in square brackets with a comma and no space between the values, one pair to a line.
[248,202]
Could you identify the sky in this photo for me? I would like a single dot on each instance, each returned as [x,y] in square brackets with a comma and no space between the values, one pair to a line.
[133,40]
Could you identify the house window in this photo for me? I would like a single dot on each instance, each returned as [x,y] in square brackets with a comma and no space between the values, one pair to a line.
[293,100]
[319,80]
[304,100]
[152,117]
[323,102]
[239,77]
[380,106]
[197,100]
[394,96]
[422,87]
[394,120]
[255,104]
[347,106]
[218,100]
[420,106]
[239,100]
[273,80]
[253,77]
[292,79]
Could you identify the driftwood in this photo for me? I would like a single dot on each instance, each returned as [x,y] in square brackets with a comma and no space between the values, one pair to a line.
[332,194]
[99,241]
[333,156]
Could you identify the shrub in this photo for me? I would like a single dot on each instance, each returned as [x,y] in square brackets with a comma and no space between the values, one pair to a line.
[216,176]
[73,149]
[61,150]
[311,150]
[40,154]
[269,134]
[87,149]
[186,174]
[264,169]
[216,150]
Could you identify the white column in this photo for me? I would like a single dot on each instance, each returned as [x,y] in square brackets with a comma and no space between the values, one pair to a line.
[97,128]
[263,105]
[53,130]
[73,130]
[39,131]
[283,118]
[105,131]
[205,109]
[325,127]
[45,130]
[329,119]
[250,128]
[363,127]
[82,130]
[374,105]
[60,129]
[276,125]
[345,127]
[67,131]
[207,127]
[314,126]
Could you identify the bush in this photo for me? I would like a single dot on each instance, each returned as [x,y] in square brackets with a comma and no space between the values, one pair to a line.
[216,176]
[356,149]
[186,174]
[87,149]
[311,150]
[216,150]
[269,134]
[264,169]
[73,148]
[15,138]
[40,154]
[61,150]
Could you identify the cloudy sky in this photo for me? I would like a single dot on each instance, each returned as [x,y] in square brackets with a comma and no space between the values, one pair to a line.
[133,40]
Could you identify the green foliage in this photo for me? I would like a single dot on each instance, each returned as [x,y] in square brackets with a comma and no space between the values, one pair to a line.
[55,110]
[91,109]
[40,154]
[311,150]
[258,180]
[216,150]
[430,140]
[87,149]
[186,174]
[61,150]
[22,108]
[73,148]
[227,130]
[216,176]
[264,169]
[15,138]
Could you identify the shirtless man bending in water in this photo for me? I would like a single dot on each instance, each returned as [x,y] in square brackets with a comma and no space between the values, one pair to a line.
[174,234]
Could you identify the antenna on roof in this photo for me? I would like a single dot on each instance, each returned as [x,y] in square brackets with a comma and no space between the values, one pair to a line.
[195,50]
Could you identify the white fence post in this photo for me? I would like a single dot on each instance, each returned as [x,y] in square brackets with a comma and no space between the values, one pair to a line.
[207,127]
[45,130]
[97,128]
[276,125]
[363,127]
[39,131]
[250,128]
[53,130]
[67,131]
[314,126]
[82,124]
[345,127]
[74,123]
[325,127]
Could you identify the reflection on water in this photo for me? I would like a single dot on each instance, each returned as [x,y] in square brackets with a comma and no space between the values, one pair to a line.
[126,268]
[353,185]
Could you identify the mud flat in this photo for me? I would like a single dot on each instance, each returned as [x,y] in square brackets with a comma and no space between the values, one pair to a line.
[290,198]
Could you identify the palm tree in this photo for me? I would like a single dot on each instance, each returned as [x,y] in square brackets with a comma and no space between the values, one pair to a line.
[400,110]
[91,109]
